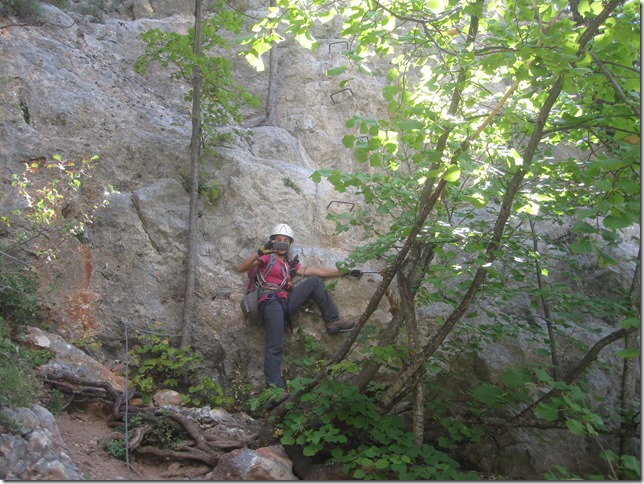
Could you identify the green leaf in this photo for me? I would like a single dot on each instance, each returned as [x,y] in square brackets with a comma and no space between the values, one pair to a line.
[255,61]
[452,174]
[513,378]
[630,323]
[575,426]
[336,71]
[411,125]
[361,155]
[487,393]
[628,353]
[617,222]
[389,92]
[583,228]
[305,40]
[547,411]
[348,141]
[582,246]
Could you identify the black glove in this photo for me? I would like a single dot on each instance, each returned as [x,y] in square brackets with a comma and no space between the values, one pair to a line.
[355,273]
[267,248]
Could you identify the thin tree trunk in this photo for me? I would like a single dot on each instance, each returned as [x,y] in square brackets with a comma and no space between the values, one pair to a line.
[418,261]
[408,309]
[546,308]
[630,389]
[271,95]
[195,153]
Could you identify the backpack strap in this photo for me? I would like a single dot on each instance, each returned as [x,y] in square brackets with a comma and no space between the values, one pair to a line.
[293,266]
[259,279]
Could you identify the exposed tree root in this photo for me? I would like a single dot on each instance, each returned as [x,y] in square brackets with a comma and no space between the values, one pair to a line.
[196,447]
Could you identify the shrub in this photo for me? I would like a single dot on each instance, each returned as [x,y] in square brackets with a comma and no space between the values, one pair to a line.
[19,386]
[157,364]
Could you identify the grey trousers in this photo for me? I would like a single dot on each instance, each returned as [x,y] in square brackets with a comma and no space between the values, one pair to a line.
[275,312]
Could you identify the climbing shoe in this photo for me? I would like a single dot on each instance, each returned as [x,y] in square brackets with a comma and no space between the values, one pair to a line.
[339,326]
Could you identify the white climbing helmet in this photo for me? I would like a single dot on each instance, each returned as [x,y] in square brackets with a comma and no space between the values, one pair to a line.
[283,229]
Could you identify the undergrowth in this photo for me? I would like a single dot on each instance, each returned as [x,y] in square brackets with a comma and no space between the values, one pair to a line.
[157,364]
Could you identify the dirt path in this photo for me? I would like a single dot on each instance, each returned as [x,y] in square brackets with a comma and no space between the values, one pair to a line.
[82,429]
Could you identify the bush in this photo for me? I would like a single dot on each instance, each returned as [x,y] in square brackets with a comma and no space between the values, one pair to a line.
[18,285]
[19,386]
[29,10]
[337,422]
[157,364]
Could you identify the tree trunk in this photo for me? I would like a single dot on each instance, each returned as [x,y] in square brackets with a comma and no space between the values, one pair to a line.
[195,153]
[630,389]
[271,95]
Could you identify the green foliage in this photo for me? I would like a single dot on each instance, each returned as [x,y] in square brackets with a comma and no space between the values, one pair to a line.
[29,10]
[445,78]
[241,386]
[156,365]
[18,292]
[221,97]
[569,404]
[36,229]
[211,192]
[163,436]
[55,402]
[18,307]
[208,190]
[267,395]
[115,447]
[624,467]
[339,423]
[46,187]
[19,386]
[291,184]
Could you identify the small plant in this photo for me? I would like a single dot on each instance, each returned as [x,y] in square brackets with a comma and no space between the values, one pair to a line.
[115,447]
[29,10]
[55,402]
[18,300]
[18,385]
[210,192]
[206,392]
[91,346]
[241,386]
[156,364]
[163,436]
[291,184]
[270,394]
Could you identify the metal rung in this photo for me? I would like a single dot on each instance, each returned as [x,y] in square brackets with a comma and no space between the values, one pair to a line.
[340,91]
[338,201]
[346,43]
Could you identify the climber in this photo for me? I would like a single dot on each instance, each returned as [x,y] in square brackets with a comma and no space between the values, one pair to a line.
[279,300]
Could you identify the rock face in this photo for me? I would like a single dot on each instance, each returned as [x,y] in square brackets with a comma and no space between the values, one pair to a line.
[34,451]
[69,89]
